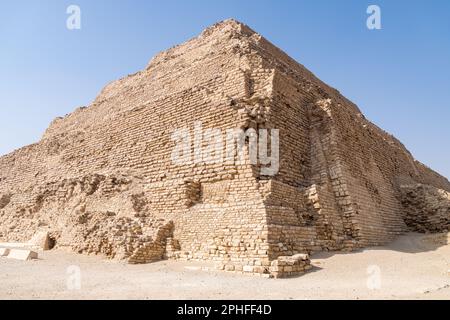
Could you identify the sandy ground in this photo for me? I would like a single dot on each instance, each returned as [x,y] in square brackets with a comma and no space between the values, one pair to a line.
[413,267]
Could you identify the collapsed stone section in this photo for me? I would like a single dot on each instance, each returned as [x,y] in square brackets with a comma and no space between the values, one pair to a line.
[427,209]
[138,240]
[102,179]
[290,265]
[81,213]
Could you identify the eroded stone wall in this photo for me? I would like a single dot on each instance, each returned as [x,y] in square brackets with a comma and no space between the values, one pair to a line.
[102,179]
[427,209]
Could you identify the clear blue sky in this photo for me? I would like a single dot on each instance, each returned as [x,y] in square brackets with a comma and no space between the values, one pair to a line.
[399,76]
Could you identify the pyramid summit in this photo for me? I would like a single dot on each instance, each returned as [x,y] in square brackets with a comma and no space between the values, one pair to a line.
[102,180]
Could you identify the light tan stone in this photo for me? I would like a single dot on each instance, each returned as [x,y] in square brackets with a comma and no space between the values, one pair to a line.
[102,181]
[4,252]
[22,254]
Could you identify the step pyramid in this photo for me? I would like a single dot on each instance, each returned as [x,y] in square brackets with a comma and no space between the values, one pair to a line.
[104,179]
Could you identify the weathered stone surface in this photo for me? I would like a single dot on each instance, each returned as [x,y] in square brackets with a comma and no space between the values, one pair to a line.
[290,266]
[41,240]
[427,209]
[22,254]
[101,180]
[4,252]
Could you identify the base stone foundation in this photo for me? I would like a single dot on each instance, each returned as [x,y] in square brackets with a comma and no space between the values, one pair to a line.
[102,179]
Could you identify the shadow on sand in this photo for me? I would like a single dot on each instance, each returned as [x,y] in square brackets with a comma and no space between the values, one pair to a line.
[408,243]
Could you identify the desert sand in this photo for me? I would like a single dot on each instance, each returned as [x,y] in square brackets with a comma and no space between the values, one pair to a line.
[415,266]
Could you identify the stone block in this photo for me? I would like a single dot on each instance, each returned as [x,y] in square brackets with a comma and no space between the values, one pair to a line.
[41,240]
[22,254]
[4,252]
[248,268]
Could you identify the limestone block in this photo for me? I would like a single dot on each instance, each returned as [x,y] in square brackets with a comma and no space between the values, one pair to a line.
[4,252]
[300,256]
[41,240]
[248,268]
[22,254]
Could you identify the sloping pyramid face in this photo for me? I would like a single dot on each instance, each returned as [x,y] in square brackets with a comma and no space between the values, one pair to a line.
[103,179]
